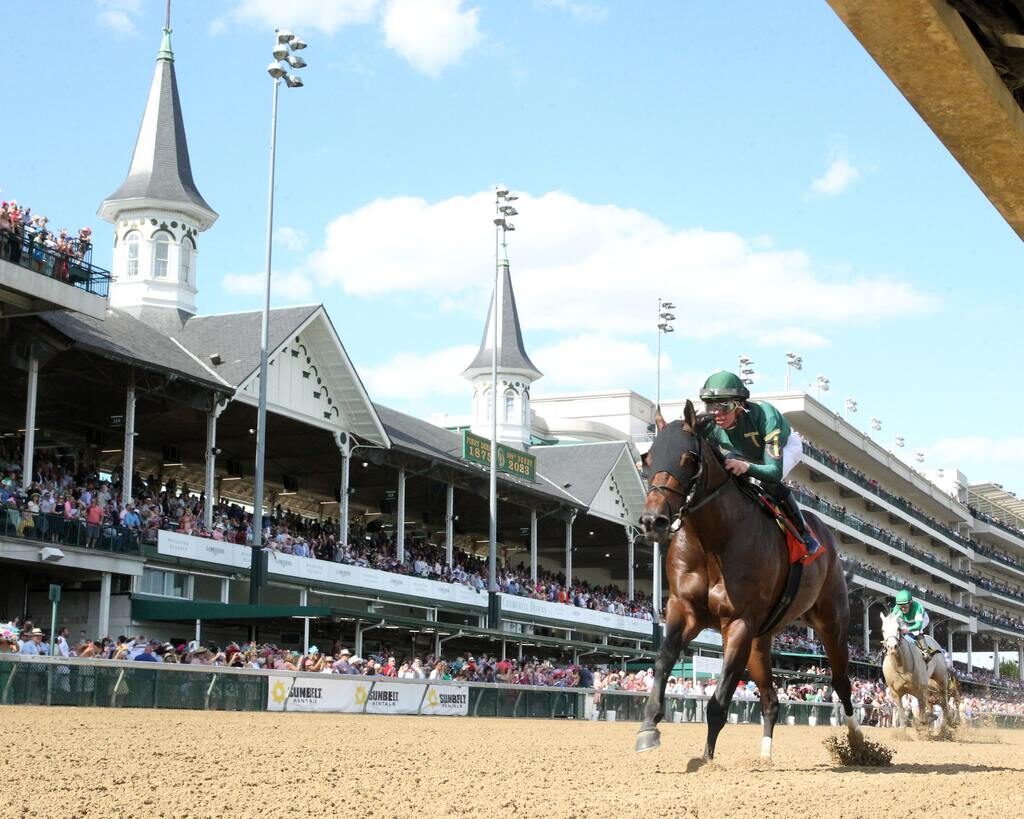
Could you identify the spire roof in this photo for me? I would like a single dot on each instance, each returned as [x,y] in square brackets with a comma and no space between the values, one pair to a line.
[160,171]
[512,355]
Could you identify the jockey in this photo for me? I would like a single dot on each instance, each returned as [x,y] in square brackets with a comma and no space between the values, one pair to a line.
[758,442]
[913,619]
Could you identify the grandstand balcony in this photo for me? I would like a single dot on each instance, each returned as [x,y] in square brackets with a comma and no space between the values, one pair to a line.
[855,529]
[899,511]
[43,280]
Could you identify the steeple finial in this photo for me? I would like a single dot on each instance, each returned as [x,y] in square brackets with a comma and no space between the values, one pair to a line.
[165,52]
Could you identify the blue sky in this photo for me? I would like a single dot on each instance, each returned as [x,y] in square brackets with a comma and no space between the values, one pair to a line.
[747,161]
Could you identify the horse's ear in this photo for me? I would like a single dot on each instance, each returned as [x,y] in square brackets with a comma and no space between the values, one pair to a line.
[659,420]
[689,416]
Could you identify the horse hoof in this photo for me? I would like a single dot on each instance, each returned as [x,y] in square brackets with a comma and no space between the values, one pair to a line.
[648,740]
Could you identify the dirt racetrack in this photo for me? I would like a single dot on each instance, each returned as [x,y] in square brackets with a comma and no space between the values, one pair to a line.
[134,763]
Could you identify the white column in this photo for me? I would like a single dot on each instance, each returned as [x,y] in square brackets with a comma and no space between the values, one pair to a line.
[949,639]
[970,652]
[211,463]
[225,590]
[1020,661]
[346,479]
[449,523]
[28,456]
[304,601]
[103,626]
[995,658]
[631,557]
[867,626]
[128,467]
[400,525]
[533,545]
[568,550]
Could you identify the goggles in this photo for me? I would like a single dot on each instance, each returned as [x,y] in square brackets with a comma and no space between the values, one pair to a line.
[721,407]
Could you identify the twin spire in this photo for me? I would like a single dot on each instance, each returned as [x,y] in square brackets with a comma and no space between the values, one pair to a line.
[161,173]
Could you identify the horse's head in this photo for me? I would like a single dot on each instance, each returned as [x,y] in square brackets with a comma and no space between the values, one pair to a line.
[675,465]
[890,632]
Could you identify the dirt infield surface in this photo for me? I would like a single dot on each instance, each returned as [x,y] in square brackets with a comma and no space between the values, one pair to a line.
[133,763]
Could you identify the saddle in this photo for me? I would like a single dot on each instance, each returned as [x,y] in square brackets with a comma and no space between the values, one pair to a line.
[794,543]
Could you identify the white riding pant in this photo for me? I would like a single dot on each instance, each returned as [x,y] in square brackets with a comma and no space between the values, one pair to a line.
[924,624]
[792,452]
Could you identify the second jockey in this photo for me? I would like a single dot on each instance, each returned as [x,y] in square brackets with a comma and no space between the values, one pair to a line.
[913,619]
[761,436]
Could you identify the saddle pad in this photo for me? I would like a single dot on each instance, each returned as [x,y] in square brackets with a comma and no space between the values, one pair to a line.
[798,552]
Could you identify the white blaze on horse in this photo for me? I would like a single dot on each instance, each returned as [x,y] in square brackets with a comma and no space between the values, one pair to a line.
[907,672]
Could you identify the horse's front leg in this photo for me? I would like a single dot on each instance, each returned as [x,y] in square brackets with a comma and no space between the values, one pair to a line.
[680,628]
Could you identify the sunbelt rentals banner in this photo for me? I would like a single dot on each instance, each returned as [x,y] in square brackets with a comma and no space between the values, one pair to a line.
[359,695]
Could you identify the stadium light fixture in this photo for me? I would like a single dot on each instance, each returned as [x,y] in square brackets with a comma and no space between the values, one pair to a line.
[849,407]
[793,362]
[747,369]
[876,424]
[665,315]
[823,385]
[280,52]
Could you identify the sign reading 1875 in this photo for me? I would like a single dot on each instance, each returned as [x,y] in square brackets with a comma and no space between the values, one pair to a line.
[511,461]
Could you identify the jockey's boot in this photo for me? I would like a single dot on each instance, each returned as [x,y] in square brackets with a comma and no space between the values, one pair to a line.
[784,495]
[923,647]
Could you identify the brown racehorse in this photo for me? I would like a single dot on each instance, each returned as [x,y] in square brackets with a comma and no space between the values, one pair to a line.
[727,566]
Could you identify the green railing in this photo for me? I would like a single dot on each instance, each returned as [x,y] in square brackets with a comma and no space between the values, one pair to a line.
[26,680]
[54,530]
[110,684]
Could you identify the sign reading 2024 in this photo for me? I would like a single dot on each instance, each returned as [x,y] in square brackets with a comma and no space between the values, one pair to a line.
[510,461]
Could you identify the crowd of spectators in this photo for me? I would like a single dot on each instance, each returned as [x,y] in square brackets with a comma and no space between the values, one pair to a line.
[63,494]
[26,240]
[840,466]
[838,512]
[1002,524]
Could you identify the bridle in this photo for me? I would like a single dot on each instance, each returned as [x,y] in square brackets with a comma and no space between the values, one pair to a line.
[688,493]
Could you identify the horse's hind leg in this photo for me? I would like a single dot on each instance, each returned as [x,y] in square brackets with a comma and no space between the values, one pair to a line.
[680,628]
[760,667]
[736,639]
[832,627]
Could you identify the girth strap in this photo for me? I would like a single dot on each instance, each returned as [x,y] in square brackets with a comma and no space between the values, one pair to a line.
[796,571]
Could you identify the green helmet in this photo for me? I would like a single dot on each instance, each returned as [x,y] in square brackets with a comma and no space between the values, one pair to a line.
[724,386]
[904,597]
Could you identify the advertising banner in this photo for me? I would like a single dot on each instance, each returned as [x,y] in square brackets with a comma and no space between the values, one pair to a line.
[446,700]
[574,614]
[393,698]
[324,692]
[200,548]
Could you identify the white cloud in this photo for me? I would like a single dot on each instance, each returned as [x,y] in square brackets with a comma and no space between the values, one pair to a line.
[303,16]
[792,337]
[976,449]
[580,362]
[118,15]
[581,268]
[293,239]
[414,376]
[584,12]
[839,175]
[289,287]
[430,34]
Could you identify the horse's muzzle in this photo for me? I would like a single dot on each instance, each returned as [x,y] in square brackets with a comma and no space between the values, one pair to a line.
[655,526]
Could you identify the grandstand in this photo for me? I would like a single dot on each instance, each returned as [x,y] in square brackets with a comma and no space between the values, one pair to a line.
[380,519]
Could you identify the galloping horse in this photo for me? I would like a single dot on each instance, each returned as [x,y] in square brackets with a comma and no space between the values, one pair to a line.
[906,672]
[727,567]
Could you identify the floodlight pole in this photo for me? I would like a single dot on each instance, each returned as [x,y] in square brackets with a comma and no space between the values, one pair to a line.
[256,558]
